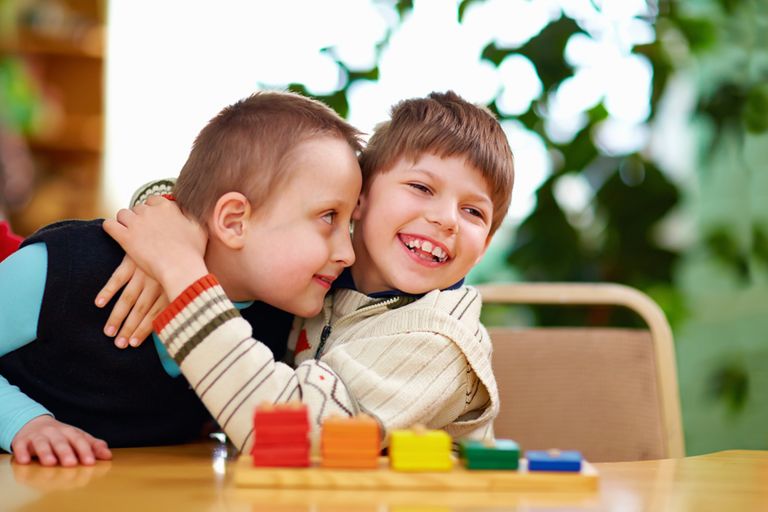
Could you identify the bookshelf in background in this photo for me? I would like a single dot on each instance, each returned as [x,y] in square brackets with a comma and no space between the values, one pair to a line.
[60,45]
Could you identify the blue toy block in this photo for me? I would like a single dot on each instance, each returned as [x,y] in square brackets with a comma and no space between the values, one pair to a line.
[554,460]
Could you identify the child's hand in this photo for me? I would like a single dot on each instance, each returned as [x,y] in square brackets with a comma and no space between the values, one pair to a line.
[53,442]
[141,301]
[162,241]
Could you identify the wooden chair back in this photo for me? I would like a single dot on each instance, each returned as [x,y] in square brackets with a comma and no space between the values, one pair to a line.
[609,392]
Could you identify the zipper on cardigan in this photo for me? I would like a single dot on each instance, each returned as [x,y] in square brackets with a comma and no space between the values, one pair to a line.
[328,313]
[323,336]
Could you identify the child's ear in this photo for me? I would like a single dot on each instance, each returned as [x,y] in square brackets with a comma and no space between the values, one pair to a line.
[229,222]
[357,212]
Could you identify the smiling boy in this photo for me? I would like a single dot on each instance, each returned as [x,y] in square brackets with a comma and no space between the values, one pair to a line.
[399,338]
[401,328]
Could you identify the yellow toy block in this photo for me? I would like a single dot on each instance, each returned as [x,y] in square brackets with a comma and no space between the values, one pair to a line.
[419,449]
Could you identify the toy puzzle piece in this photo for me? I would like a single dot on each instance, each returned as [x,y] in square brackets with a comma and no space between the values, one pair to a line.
[281,436]
[350,442]
[554,460]
[281,415]
[420,450]
[498,454]
[281,457]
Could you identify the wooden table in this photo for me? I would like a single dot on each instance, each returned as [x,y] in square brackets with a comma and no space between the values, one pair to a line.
[196,477]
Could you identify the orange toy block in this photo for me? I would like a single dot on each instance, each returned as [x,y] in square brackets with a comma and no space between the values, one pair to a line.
[350,442]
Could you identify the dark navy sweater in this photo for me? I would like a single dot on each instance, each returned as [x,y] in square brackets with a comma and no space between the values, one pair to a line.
[122,396]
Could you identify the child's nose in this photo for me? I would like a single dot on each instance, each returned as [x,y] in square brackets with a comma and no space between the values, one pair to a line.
[445,215]
[343,252]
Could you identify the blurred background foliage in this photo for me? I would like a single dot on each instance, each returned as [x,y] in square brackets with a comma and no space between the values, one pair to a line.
[695,240]
[695,244]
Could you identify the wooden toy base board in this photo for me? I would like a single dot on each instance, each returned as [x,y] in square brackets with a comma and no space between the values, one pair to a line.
[458,479]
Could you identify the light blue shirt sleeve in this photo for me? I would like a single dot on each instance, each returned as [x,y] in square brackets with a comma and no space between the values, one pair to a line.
[22,283]
[169,365]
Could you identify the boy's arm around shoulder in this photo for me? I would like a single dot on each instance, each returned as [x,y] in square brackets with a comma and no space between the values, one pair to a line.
[232,372]
[426,362]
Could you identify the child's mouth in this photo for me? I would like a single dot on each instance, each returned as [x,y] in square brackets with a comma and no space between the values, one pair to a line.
[324,280]
[424,249]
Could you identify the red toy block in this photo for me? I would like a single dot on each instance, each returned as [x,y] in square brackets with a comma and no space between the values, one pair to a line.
[281,436]
[281,415]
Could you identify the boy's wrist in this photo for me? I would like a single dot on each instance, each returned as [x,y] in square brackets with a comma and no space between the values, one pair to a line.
[176,278]
[206,284]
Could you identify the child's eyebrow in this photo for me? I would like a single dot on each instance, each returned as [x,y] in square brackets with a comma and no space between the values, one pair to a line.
[481,198]
[328,203]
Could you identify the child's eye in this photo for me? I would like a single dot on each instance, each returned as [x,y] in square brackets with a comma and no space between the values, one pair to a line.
[329,217]
[420,187]
[475,212]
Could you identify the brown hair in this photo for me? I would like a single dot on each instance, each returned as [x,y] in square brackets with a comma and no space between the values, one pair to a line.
[246,146]
[446,125]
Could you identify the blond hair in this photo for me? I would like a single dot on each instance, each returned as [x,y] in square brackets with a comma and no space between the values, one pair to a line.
[245,148]
[446,125]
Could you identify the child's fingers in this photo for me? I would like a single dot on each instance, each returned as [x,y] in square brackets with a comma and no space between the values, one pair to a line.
[82,445]
[144,329]
[125,303]
[139,312]
[155,200]
[125,216]
[101,449]
[42,447]
[116,230]
[21,453]
[63,450]
[117,280]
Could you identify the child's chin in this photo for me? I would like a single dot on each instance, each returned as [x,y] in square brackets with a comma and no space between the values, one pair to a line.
[307,311]
[418,288]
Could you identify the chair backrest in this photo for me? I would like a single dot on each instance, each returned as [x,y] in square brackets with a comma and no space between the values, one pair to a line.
[610,393]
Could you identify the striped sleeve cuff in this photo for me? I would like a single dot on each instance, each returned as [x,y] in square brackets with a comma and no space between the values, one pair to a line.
[194,314]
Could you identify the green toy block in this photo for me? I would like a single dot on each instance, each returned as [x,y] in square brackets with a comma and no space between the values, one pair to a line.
[499,454]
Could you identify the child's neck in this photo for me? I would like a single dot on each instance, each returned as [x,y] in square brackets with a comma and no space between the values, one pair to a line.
[358,272]
[220,264]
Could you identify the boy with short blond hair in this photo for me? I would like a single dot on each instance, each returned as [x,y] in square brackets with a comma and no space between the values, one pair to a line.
[268,174]
[399,338]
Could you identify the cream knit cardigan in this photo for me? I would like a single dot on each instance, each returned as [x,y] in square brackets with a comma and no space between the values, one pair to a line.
[401,360]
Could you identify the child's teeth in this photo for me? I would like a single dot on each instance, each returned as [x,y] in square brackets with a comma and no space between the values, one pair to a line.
[427,247]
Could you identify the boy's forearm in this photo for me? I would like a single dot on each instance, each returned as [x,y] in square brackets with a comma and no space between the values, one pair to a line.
[232,372]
